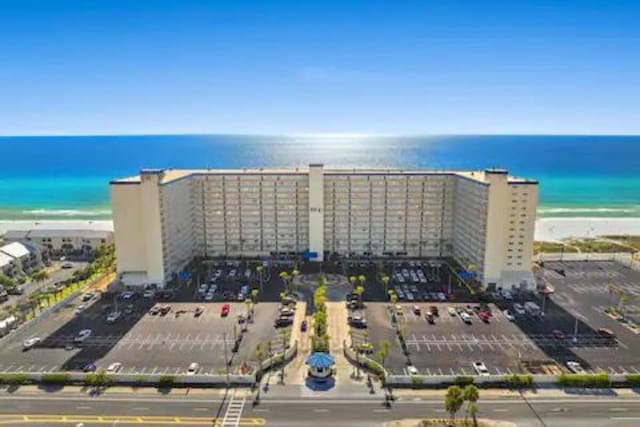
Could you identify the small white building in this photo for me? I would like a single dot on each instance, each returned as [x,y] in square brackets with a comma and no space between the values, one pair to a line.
[61,241]
[17,258]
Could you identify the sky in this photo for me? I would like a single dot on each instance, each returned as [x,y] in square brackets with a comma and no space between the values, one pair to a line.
[362,67]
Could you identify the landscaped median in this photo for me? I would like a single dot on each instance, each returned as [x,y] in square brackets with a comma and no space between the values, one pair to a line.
[102,379]
[516,381]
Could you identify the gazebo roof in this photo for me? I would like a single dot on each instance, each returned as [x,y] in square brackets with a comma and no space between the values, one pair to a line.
[320,360]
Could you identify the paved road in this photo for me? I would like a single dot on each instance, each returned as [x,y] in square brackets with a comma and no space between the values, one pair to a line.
[57,275]
[43,410]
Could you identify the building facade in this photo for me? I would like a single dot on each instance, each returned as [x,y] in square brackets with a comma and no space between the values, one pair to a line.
[18,259]
[483,219]
[53,241]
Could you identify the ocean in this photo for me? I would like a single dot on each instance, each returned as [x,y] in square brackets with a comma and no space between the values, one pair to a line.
[67,177]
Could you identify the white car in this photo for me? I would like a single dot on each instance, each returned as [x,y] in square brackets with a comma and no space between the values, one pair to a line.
[148,294]
[412,370]
[452,311]
[480,369]
[126,295]
[114,367]
[442,296]
[575,367]
[113,317]
[519,309]
[193,369]
[466,318]
[203,288]
[80,309]
[506,294]
[208,297]
[82,335]
[30,342]
[508,315]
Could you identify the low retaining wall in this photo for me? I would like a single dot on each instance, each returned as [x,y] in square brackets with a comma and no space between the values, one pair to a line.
[137,379]
[364,362]
[487,381]
[276,359]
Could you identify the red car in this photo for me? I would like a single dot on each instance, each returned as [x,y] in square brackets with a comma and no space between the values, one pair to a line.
[559,335]
[225,309]
[484,316]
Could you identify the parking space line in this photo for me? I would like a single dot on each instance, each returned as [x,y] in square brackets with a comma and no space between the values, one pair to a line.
[498,370]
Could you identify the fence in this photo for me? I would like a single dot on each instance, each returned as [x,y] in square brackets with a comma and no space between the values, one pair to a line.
[623,258]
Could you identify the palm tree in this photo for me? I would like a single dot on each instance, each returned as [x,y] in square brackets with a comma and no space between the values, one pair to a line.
[383,352]
[359,290]
[254,295]
[40,275]
[260,270]
[471,395]
[473,410]
[259,355]
[362,279]
[353,280]
[453,400]
[285,278]
[385,281]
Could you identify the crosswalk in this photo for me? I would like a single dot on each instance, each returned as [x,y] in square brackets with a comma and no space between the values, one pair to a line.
[233,414]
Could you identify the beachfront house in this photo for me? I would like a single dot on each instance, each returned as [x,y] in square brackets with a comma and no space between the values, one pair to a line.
[58,242]
[18,258]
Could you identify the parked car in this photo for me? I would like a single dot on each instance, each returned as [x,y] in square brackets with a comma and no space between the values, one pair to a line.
[29,343]
[165,309]
[452,311]
[89,367]
[575,367]
[484,316]
[519,309]
[198,311]
[193,368]
[557,334]
[412,370]
[399,311]
[434,310]
[113,317]
[283,321]
[114,368]
[82,335]
[224,310]
[87,297]
[154,310]
[148,294]
[208,297]
[416,310]
[506,294]
[67,265]
[480,368]
[466,318]
[357,321]
[430,318]
[607,333]
[508,315]
[129,309]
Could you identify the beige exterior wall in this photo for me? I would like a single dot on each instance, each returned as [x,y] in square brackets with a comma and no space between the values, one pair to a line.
[484,219]
[316,211]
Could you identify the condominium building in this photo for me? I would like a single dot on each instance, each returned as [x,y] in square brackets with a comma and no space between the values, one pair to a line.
[483,219]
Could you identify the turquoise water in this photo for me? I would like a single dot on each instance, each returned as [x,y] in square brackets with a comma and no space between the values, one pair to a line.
[67,177]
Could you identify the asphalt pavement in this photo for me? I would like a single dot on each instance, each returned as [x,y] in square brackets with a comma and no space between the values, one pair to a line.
[125,409]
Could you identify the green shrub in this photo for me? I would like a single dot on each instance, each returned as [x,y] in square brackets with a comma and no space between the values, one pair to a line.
[166,381]
[463,380]
[633,379]
[138,379]
[97,379]
[585,380]
[14,379]
[55,378]
[320,343]
[519,380]
[374,367]
[416,381]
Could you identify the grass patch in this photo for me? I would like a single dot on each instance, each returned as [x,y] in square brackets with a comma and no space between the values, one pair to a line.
[14,379]
[519,381]
[462,380]
[551,247]
[59,378]
[166,381]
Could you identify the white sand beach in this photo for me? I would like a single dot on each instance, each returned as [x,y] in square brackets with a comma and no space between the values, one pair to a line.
[546,228]
[561,228]
[53,224]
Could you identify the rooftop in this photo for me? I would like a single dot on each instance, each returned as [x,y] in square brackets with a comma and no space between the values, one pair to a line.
[15,250]
[171,175]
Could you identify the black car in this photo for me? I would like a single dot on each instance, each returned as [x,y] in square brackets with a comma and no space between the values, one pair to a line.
[283,321]
[15,291]
[89,367]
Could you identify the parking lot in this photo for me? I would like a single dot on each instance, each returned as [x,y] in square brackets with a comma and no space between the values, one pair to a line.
[141,341]
[567,331]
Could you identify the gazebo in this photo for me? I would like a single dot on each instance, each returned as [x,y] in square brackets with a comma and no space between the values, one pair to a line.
[320,365]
